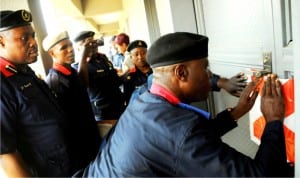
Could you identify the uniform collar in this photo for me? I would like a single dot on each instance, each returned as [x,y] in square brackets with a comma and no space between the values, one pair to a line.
[7,68]
[132,70]
[135,69]
[62,69]
[171,98]
[163,92]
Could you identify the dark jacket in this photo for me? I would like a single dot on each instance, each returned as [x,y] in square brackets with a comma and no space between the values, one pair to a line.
[32,123]
[72,96]
[104,88]
[132,80]
[156,138]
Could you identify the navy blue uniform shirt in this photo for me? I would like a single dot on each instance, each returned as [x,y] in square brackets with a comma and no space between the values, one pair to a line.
[104,88]
[133,79]
[32,123]
[155,137]
[72,96]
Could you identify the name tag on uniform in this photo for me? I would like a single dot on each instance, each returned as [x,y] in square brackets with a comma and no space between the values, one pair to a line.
[100,70]
[26,86]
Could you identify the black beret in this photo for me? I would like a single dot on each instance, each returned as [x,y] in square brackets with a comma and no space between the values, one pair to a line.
[177,47]
[82,35]
[136,44]
[11,19]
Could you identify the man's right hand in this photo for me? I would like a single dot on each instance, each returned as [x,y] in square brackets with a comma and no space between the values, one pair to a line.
[272,101]
[13,165]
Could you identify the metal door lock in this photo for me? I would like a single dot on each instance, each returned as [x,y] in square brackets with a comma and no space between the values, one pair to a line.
[267,62]
[267,65]
[261,73]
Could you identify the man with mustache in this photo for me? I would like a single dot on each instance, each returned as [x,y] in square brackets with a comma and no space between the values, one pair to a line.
[34,128]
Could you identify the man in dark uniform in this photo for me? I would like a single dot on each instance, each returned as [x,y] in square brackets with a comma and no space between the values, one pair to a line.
[72,97]
[137,75]
[103,81]
[34,128]
[136,80]
[161,134]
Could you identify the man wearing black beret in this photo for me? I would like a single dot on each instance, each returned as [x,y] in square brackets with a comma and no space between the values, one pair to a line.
[34,129]
[83,35]
[161,134]
[137,75]
[103,82]
[13,19]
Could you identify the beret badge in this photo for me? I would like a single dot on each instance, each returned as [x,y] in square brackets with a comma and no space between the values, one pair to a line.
[26,16]
[12,19]
[136,44]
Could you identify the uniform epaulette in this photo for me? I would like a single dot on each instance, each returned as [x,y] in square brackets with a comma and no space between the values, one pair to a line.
[132,70]
[6,68]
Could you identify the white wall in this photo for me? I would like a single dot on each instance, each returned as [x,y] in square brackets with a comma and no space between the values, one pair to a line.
[296,35]
[164,15]
[183,21]
[13,5]
[172,18]
[135,20]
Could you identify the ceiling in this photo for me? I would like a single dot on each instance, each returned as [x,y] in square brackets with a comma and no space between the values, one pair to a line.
[103,16]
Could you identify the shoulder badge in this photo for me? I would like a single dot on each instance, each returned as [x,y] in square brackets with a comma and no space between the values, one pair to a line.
[6,68]
[132,70]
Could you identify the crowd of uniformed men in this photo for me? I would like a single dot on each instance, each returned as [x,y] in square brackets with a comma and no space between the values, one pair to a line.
[48,126]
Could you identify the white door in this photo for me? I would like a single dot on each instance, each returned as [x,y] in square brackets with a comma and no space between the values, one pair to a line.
[241,33]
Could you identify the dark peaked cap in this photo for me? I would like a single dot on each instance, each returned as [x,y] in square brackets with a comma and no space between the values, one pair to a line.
[11,19]
[177,47]
[83,34]
[136,44]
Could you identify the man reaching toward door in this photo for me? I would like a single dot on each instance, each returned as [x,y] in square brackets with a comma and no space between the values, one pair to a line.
[161,134]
